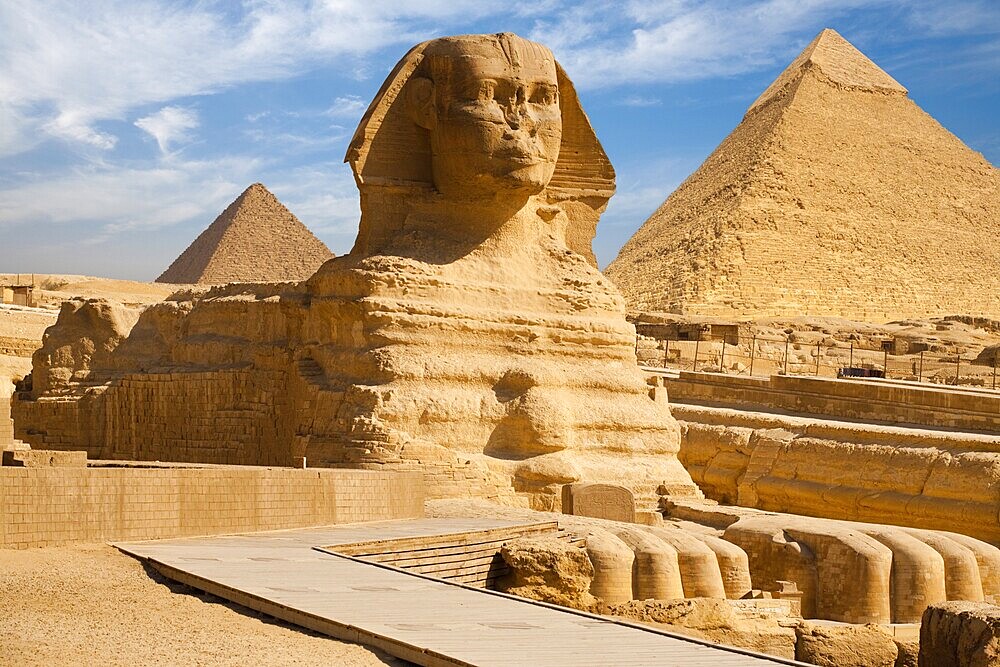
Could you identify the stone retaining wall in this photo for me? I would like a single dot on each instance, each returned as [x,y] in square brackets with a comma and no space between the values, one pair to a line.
[51,506]
[921,478]
[868,400]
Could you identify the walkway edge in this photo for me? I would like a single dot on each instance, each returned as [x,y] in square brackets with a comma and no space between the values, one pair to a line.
[303,619]
[576,612]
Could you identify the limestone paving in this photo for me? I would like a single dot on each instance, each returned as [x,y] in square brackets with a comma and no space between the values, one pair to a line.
[418,618]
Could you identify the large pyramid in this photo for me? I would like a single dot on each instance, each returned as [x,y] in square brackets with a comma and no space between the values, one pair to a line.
[836,195]
[255,240]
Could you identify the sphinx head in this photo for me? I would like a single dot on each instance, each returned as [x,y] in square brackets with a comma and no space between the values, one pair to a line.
[487,119]
[490,105]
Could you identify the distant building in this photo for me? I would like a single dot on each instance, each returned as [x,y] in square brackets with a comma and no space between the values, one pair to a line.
[18,295]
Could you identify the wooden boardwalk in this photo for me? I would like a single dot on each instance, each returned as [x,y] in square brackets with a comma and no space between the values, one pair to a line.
[424,620]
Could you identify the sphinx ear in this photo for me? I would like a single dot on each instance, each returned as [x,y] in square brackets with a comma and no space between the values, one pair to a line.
[420,102]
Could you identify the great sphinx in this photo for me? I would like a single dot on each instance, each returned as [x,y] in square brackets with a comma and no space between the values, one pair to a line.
[468,332]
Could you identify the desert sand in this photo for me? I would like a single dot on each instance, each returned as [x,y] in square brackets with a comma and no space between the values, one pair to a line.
[90,604]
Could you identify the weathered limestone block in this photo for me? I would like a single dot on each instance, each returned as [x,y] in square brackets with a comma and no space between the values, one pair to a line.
[925,480]
[732,622]
[550,570]
[962,580]
[467,334]
[988,558]
[656,573]
[734,565]
[41,458]
[960,634]
[842,573]
[612,560]
[600,501]
[81,341]
[699,567]
[716,456]
[917,577]
[831,645]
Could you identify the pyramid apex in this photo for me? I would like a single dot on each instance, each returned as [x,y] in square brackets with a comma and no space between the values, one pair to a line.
[259,188]
[839,61]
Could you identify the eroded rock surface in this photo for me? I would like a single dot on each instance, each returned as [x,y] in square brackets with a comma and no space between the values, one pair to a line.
[550,570]
[845,645]
[960,634]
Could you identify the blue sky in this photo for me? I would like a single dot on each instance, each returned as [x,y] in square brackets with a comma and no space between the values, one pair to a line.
[127,126]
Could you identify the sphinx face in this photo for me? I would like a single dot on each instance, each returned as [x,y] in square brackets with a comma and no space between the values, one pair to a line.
[497,125]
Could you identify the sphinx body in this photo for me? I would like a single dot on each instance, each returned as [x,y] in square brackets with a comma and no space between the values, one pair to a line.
[468,332]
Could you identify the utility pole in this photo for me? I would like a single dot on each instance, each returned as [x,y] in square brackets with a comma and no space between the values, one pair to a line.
[786,355]
[722,362]
[697,341]
[817,358]
[753,348]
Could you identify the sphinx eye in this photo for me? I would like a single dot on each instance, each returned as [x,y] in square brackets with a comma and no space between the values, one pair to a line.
[487,90]
[545,95]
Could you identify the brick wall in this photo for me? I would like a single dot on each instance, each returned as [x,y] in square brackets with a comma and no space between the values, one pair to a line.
[51,506]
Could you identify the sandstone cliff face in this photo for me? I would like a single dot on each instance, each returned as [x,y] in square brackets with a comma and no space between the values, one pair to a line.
[836,195]
[464,335]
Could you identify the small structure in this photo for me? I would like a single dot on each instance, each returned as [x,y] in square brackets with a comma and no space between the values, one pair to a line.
[600,501]
[19,295]
[704,329]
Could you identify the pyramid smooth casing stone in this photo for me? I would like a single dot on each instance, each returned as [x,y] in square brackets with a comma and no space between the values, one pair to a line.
[835,196]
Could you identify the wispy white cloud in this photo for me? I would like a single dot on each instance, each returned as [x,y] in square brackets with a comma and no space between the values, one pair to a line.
[682,40]
[347,106]
[72,126]
[107,198]
[932,17]
[168,125]
[66,65]
[639,101]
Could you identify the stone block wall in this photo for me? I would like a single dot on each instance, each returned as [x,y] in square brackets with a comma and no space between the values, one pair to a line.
[891,402]
[51,506]
[219,416]
[910,477]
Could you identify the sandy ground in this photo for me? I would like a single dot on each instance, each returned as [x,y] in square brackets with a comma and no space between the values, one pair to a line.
[51,289]
[18,322]
[91,605]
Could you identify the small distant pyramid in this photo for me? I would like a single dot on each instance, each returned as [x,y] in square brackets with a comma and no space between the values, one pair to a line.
[836,195]
[255,240]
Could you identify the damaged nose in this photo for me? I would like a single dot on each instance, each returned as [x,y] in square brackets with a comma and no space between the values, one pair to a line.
[514,113]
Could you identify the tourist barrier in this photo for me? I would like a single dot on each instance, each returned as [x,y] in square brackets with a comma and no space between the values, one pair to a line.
[769,355]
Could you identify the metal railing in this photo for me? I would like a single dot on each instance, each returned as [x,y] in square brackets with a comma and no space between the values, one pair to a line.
[761,355]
